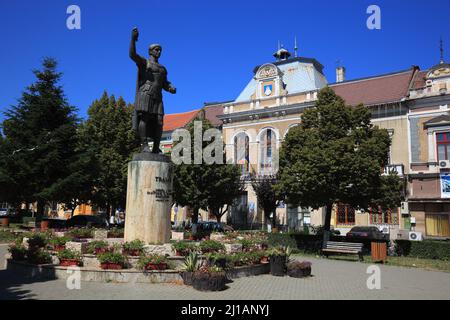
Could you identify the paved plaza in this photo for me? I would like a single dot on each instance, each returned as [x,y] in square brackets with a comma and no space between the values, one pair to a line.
[331,280]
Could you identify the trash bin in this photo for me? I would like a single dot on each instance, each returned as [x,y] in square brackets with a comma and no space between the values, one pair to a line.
[379,251]
[5,222]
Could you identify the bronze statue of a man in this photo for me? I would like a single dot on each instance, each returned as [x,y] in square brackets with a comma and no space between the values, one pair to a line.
[149,109]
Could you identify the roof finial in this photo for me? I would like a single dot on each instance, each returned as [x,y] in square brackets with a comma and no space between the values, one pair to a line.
[295,47]
[442,51]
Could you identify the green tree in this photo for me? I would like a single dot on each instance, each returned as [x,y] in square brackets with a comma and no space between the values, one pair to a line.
[109,142]
[336,156]
[39,141]
[267,196]
[206,186]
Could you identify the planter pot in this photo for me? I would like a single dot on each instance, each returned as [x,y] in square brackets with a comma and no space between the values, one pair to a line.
[111,266]
[44,225]
[278,266]
[156,266]
[69,262]
[187,278]
[133,253]
[299,272]
[101,250]
[209,281]
[59,247]
[264,260]
[18,256]
[5,222]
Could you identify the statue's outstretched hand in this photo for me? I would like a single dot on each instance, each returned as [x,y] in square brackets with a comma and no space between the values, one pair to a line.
[135,34]
[173,90]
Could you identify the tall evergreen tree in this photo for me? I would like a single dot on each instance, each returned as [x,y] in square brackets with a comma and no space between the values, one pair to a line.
[336,156]
[39,141]
[109,141]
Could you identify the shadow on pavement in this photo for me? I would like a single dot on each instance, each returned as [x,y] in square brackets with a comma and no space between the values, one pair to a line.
[12,281]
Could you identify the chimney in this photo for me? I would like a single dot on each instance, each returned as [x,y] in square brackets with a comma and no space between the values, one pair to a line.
[340,74]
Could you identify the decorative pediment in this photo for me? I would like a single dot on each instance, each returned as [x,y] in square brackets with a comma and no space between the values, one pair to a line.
[439,71]
[442,120]
[267,71]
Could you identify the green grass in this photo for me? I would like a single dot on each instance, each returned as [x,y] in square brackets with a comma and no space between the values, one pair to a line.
[409,262]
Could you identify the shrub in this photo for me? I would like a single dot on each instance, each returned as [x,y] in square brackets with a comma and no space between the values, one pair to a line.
[96,246]
[18,252]
[281,239]
[38,256]
[37,240]
[183,247]
[112,257]
[116,233]
[7,236]
[211,246]
[426,249]
[59,241]
[134,247]
[69,254]
[81,233]
[151,259]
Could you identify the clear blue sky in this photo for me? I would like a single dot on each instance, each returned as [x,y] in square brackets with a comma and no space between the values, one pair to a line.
[209,47]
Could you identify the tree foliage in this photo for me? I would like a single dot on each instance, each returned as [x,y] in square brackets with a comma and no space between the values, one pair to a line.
[206,186]
[109,141]
[39,142]
[336,156]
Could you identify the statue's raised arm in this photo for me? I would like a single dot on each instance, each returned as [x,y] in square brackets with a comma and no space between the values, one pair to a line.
[134,37]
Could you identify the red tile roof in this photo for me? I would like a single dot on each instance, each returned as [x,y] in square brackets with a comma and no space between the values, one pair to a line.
[211,113]
[178,120]
[419,80]
[375,90]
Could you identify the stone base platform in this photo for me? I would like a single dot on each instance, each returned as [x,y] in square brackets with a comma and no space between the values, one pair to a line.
[95,274]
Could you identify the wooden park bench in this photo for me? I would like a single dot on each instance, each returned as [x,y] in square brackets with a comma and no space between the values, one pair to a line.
[343,247]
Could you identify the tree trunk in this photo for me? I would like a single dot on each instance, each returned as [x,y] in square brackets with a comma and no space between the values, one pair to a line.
[326,227]
[274,218]
[40,209]
[195,215]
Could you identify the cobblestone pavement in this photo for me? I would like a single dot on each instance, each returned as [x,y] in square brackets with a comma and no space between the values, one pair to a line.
[331,280]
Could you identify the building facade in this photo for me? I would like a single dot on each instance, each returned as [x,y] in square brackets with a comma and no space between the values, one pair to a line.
[411,104]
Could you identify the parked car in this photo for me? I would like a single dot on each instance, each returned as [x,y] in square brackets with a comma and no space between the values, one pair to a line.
[210,226]
[366,233]
[87,221]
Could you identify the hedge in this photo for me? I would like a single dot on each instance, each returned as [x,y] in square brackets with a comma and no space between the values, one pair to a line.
[426,249]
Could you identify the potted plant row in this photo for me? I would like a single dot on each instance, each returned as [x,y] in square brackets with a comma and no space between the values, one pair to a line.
[153,262]
[68,258]
[208,246]
[133,248]
[59,243]
[112,260]
[183,248]
[97,247]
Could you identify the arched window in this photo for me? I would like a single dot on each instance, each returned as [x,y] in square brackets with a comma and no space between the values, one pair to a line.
[267,147]
[241,151]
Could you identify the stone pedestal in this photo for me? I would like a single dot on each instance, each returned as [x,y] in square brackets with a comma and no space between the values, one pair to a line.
[149,199]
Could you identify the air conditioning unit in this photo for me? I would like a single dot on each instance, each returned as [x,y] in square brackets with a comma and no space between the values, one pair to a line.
[415,236]
[444,164]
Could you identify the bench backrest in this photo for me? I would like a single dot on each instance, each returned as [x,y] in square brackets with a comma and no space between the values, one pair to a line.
[344,245]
